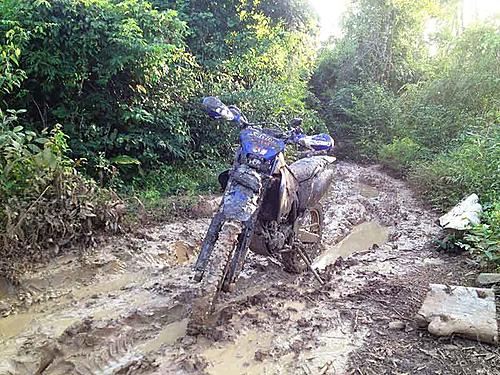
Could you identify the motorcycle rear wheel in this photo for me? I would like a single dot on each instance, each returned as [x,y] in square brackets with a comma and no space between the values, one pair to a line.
[311,222]
[215,272]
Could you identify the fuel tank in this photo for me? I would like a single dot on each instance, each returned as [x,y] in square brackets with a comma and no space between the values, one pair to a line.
[314,176]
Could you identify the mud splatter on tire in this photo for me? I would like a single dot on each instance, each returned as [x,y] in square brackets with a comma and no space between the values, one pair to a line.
[214,275]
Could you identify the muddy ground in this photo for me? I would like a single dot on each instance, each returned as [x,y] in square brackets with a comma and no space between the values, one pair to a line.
[123,307]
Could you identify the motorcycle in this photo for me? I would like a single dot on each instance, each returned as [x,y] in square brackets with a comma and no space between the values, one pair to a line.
[268,206]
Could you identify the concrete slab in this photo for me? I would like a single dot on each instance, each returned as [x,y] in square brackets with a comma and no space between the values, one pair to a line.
[467,312]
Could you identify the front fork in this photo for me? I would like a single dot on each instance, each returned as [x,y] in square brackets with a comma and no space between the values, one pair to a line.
[239,254]
[244,239]
[208,245]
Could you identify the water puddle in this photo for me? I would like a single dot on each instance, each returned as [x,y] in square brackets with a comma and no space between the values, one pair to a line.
[15,324]
[239,357]
[111,309]
[361,238]
[367,191]
[57,327]
[183,251]
[108,285]
[167,336]
[51,325]
[331,356]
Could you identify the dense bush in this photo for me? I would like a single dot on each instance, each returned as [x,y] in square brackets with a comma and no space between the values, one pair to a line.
[124,77]
[455,116]
[184,179]
[472,166]
[382,44]
[115,74]
[441,131]
[372,115]
[483,240]
[434,119]
[45,204]
[400,155]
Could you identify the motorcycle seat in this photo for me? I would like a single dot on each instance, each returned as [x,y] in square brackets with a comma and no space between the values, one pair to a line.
[307,168]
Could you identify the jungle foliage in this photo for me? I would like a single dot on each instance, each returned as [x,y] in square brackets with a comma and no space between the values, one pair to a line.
[124,77]
[108,91]
[430,117]
[103,94]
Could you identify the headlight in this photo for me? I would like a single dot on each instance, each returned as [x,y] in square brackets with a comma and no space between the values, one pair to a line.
[254,162]
[259,150]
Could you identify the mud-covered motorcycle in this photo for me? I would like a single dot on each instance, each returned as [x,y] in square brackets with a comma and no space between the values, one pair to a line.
[268,206]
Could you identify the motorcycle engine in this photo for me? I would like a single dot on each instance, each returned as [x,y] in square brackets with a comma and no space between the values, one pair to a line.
[276,236]
[270,237]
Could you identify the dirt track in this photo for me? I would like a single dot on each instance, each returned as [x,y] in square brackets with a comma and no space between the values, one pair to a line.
[123,308]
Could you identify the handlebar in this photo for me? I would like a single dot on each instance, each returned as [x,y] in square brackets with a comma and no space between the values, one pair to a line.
[218,110]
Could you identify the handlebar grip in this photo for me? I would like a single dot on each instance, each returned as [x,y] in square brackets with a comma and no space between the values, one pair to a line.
[318,142]
[296,123]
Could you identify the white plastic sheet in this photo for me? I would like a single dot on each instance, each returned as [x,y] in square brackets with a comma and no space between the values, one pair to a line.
[464,215]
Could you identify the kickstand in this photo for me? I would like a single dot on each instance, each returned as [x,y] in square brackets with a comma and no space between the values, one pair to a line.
[308,263]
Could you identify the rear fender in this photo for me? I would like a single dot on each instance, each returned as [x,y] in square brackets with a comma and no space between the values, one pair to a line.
[315,175]
[320,185]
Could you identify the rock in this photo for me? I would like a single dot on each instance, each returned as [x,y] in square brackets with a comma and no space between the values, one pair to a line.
[463,215]
[183,251]
[488,279]
[4,307]
[261,355]
[397,325]
[468,312]
[206,207]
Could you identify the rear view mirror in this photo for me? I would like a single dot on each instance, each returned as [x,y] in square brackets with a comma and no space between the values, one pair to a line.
[216,109]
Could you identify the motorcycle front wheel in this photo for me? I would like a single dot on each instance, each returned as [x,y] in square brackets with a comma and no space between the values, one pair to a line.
[216,270]
[309,238]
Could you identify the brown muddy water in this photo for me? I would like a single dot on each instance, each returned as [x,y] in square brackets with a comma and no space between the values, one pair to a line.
[366,191]
[363,237]
[123,308]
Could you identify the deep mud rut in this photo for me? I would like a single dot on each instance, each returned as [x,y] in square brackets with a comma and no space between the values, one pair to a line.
[122,308]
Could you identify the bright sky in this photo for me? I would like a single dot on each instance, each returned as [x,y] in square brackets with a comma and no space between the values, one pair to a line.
[330,13]
[479,10]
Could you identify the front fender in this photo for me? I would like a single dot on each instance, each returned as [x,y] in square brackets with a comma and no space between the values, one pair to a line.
[242,196]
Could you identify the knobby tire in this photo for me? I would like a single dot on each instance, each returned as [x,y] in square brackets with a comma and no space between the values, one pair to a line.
[215,273]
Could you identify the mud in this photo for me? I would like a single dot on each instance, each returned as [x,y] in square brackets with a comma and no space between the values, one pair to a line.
[123,307]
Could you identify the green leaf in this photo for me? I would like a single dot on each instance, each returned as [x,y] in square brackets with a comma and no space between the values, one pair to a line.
[34,148]
[42,141]
[125,160]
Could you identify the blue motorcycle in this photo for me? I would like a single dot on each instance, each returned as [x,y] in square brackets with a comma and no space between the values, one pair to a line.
[268,206]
